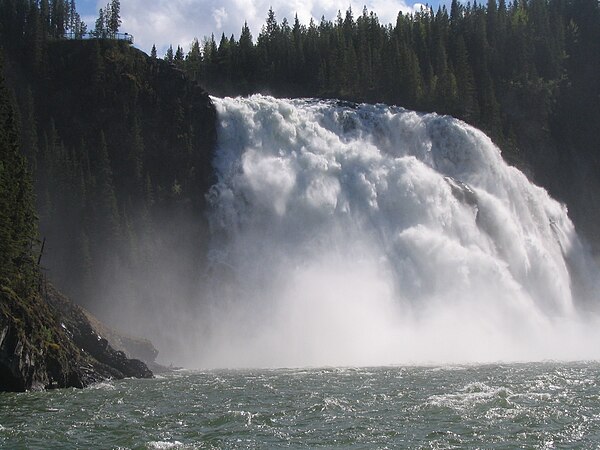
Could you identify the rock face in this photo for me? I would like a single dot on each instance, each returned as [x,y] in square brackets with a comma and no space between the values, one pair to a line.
[35,352]
[133,347]
[47,342]
[86,337]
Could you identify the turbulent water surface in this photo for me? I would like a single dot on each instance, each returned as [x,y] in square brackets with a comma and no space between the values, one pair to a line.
[545,405]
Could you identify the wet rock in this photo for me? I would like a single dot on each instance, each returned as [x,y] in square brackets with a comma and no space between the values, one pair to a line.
[46,342]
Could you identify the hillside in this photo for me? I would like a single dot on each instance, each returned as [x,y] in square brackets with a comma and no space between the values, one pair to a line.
[120,146]
[45,340]
[105,164]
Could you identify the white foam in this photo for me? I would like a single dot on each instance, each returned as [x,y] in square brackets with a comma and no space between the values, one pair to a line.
[164,445]
[376,235]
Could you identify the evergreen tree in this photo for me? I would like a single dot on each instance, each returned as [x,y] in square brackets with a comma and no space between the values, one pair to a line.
[34,38]
[100,30]
[178,58]
[193,63]
[107,213]
[169,56]
[246,59]
[59,17]
[114,18]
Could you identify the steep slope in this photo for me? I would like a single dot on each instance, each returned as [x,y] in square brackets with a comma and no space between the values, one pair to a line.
[119,148]
[47,342]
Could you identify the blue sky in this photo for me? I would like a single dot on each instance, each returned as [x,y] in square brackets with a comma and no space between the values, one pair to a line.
[178,22]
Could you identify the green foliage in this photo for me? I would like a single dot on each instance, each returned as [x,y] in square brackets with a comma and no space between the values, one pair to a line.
[109,20]
[18,223]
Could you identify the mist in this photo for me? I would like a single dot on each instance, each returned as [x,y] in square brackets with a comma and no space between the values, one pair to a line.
[361,236]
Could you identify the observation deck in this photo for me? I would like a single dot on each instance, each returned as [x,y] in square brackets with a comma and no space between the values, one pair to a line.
[102,35]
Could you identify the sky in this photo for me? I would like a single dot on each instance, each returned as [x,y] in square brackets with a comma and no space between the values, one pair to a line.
[178,22]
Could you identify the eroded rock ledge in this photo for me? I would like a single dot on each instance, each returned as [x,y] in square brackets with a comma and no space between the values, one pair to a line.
[47,342]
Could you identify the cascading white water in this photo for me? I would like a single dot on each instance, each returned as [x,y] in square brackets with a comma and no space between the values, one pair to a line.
[368,234]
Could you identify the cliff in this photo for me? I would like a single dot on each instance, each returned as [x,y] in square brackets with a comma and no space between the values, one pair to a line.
[119,146]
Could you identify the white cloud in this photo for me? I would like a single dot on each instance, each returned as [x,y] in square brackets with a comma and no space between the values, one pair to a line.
[219,15]
[178,22]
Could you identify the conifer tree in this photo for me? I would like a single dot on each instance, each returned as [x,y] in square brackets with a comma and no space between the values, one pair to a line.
[107,214]
[100,26]
[178,57]
[114,18]
[169,57]
[193,63]
[247,57]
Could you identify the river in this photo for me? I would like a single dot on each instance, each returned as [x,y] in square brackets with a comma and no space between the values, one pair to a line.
[533,405]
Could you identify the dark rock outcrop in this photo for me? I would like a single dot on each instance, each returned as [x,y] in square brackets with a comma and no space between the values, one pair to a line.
[133,347]
[84,335]
[47,342]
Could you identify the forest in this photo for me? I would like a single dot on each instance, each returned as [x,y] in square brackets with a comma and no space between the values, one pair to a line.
[95,190]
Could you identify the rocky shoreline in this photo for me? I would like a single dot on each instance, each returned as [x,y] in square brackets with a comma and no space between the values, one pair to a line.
[48,342]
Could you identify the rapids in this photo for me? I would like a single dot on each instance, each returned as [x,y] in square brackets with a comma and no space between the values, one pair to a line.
[533,406]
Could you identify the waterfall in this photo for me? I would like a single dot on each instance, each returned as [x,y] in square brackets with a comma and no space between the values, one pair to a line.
[367,234]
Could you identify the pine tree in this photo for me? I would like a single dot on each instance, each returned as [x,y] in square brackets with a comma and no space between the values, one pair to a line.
[224,58]
[45,17]
[247,57]
[465,83]
[58,18]
[107,215]
[114,18]
[178,58]
[169,57]
[100,27]
[34,39]
[29,136]
[193,62]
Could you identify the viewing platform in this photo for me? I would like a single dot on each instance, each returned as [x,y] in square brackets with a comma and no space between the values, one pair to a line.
[104,35]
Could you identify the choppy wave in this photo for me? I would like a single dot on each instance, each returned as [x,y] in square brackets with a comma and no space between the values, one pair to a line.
[537,405]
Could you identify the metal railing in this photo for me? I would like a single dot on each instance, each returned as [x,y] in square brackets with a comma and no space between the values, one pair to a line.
[100,35]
